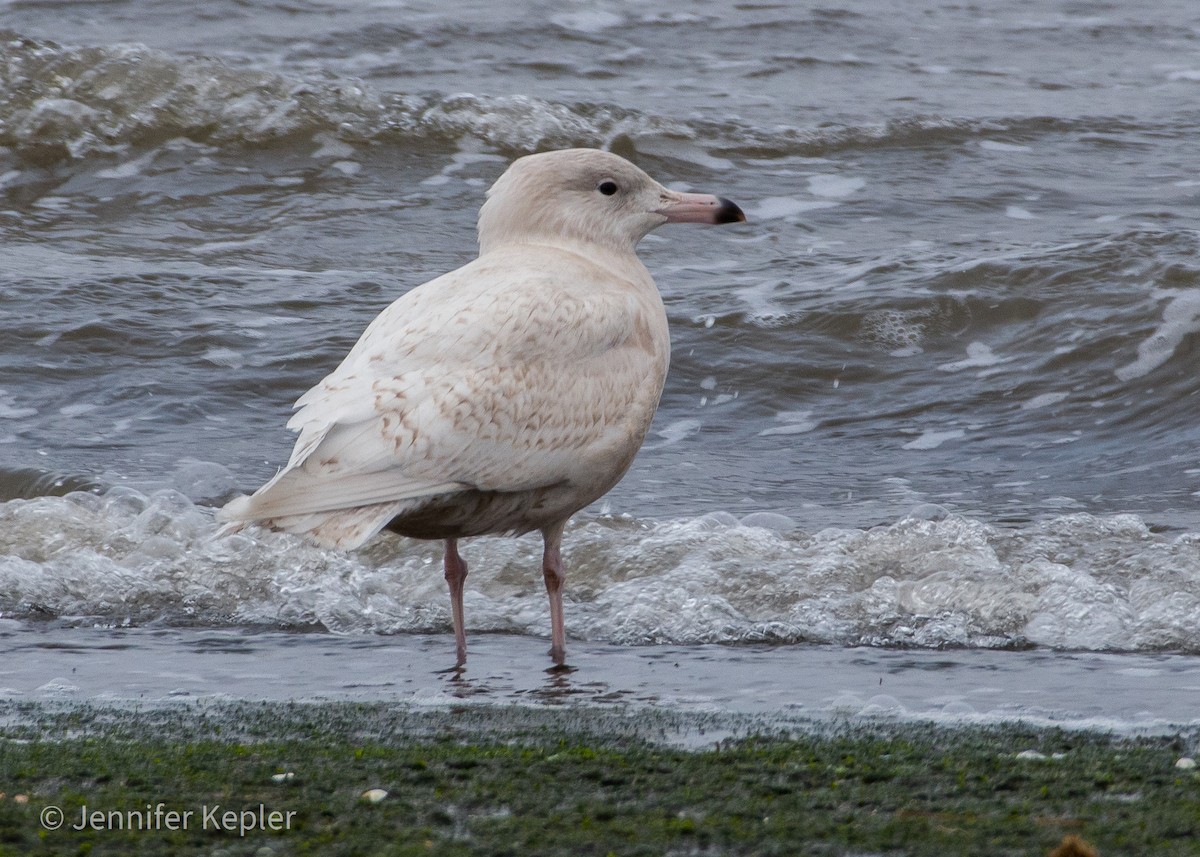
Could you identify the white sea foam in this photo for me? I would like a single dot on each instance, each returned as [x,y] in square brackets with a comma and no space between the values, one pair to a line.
[225,357]
[1043,401]
[997,146]
[760,299]
[785,207]
[458,162]
[835,187]
[793,422]
[934,439]
[904,331]
[591,21]
[979,356]
[1016,212]
[129,168]
[677,430]
[1181,317]
[329,146]
[1072,581]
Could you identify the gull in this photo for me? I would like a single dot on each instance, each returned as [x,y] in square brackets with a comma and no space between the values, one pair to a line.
[504,396]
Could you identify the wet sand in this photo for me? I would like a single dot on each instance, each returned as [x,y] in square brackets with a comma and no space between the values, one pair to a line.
[785,687]
[658,750]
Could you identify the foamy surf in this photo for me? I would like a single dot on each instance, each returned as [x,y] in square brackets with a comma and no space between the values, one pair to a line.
[62,101]
[929,580]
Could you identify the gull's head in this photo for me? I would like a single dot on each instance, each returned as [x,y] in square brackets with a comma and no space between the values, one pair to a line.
[589,196]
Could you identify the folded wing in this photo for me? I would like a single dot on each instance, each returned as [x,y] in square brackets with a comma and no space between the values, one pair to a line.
[466,383]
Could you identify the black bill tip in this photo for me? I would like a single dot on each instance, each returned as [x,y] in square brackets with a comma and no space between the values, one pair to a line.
[728,212]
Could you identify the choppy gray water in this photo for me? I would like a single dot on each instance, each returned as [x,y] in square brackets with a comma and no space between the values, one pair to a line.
[942,390]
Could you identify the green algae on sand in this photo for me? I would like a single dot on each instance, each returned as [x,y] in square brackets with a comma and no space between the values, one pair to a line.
[291,779]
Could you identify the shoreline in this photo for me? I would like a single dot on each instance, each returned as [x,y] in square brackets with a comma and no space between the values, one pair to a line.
[483,778]
[1133,693]
[373,746]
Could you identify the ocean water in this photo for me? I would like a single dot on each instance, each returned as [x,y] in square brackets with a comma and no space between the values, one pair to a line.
[941,391]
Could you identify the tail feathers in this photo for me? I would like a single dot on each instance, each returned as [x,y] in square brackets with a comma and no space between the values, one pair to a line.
[229,527]
[235,514]
[343,529]
[296,493]
[333,510]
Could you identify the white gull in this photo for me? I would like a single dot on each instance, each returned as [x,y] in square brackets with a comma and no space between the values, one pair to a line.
[504,396]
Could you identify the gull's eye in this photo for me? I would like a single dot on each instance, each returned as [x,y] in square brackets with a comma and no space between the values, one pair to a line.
[608,188]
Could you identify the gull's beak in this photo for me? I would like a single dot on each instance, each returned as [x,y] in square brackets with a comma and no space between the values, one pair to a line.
[699,208]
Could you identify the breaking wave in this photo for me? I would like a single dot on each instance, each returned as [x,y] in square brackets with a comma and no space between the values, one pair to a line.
[929,580]
[59,102]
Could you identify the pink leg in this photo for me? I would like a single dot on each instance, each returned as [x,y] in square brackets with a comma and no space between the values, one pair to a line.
[552,570]
[456,574]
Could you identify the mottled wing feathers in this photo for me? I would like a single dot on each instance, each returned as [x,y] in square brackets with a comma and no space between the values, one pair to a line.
[499,376]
